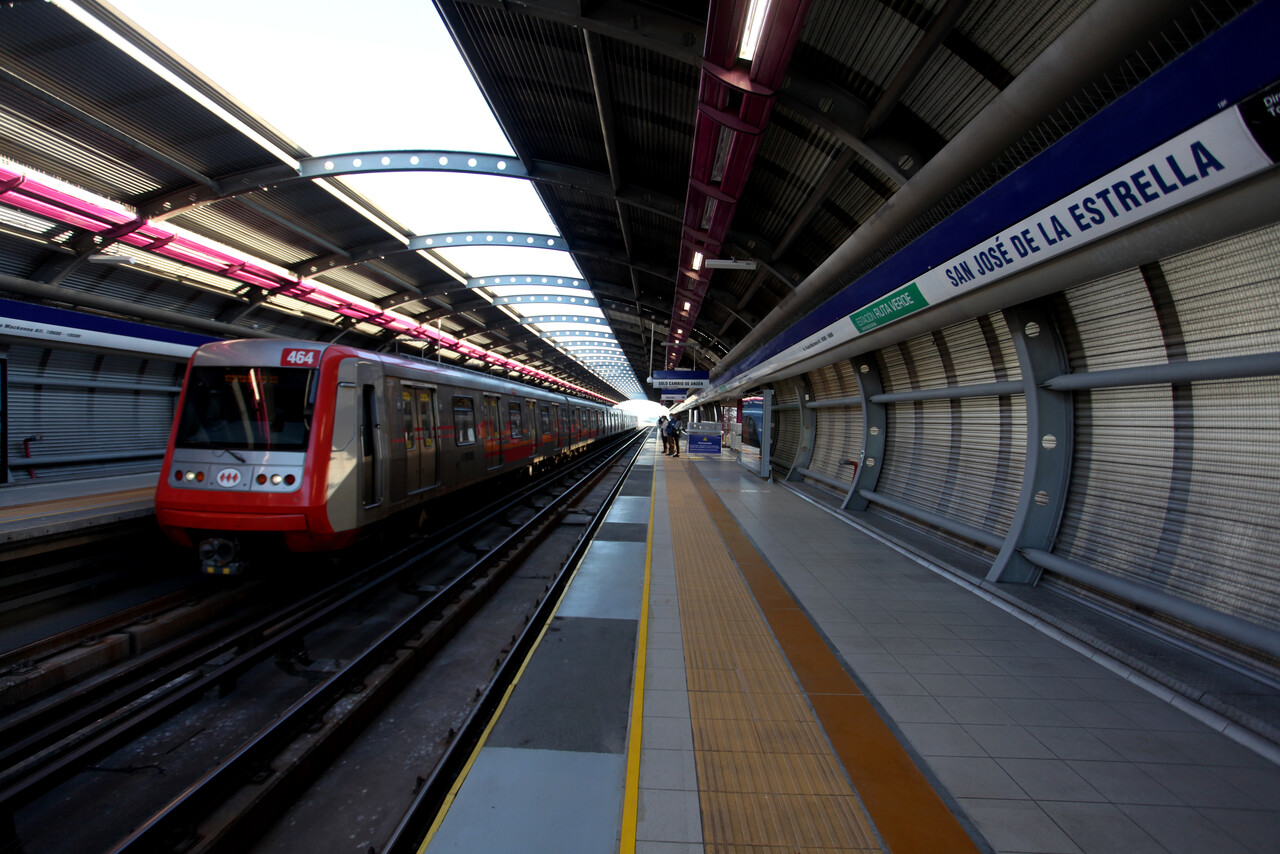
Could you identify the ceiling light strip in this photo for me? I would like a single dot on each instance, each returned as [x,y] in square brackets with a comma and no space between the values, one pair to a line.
[20,191]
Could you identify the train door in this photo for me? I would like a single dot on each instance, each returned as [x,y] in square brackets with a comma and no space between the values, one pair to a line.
[492,428]
[418,430]
[544,442]
[371,454]
[518,448]
[424,423]
[399,417]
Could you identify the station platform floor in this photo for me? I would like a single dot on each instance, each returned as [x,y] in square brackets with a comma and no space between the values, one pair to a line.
[735,668]
[34,510]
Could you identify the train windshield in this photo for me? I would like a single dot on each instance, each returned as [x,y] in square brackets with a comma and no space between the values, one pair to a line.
[247,409]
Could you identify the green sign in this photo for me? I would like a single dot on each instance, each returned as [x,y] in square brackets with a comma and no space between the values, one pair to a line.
[898,304]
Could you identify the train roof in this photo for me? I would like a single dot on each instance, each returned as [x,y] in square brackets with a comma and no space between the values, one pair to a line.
[272,351]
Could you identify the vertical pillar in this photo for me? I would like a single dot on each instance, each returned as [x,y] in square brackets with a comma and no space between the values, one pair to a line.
[4,413]
[874,421]
[808,430]
[1050,442]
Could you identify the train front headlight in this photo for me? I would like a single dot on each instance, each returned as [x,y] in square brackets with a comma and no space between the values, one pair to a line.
[276,480]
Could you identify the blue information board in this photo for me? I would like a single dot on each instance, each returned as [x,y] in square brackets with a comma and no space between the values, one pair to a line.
[704,443]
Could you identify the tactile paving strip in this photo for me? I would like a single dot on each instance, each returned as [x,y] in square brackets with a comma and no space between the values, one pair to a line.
[768,780]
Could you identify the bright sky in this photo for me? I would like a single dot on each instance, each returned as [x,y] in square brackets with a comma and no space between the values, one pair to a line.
[339,77]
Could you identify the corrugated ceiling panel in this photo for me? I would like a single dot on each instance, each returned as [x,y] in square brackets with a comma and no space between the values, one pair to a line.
[544,80]
[81,156]
[654,106]
[948,93]
[160,293]
[866,37]
[248,231]
[78,66]
[1014,37]
[792,160]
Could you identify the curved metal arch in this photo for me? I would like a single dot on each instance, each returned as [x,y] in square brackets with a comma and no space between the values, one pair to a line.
[577,333]
[370,162]
[463,240]
[547,299]
[521,279]
[563,318]
[426,242]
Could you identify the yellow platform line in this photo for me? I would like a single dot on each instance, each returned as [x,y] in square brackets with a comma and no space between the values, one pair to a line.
[767,778]
[908,813]
[631,789]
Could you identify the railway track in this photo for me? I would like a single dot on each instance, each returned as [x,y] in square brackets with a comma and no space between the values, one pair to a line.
[299,683]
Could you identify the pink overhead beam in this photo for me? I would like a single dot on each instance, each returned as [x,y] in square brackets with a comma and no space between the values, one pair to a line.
[18,191]
[734,104]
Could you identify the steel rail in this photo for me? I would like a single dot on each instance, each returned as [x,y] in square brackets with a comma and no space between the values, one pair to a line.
[55,756]
[409,833]
[400,652]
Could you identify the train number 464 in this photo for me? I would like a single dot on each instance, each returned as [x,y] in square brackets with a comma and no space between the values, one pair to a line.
[295,357]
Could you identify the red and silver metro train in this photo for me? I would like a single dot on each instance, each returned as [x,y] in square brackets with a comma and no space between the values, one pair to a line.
[306,445]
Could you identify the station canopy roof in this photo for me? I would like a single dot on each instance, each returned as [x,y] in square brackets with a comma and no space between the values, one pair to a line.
[577,194]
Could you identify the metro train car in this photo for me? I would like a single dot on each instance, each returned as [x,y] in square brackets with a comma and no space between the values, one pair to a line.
[306,445]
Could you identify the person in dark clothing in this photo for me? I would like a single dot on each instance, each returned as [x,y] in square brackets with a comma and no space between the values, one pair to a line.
[662,434]
[673,433]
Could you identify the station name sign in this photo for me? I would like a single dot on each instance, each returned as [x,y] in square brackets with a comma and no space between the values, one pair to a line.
[1235,144]
[680,379]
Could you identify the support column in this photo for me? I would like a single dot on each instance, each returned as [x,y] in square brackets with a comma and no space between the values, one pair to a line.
[874,420]
[1050,443]
[808,430]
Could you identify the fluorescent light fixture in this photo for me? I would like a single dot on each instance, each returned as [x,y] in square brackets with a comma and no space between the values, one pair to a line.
[87,18]
[687,306]
[103,258]
[697,261]
[730,264]
[430,256]
[756,14]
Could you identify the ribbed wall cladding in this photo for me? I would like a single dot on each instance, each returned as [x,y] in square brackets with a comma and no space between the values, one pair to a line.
[90,414]
[961,458]
[786,436]
[1174,486]
[838,437]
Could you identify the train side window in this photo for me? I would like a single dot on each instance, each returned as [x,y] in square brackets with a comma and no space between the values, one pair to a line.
[516,422]
[464,421]
[370,421]
[546,420]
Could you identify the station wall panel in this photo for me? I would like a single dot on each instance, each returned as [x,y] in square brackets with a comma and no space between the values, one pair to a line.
[92,414]
[838,435]
[961,458]
[1173,485]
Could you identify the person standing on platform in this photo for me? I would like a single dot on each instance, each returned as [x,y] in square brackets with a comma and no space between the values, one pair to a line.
[673,431]
[662,433]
